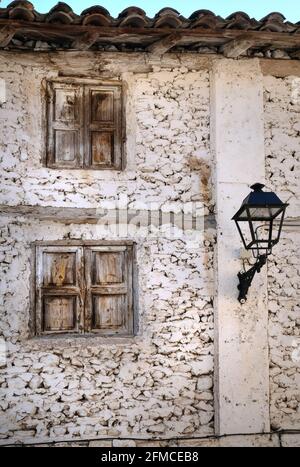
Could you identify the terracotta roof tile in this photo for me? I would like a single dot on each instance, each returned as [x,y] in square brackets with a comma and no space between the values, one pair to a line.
[19,13]
[133,17]
[62,12]
[132,10]
[241,20]
[206,19]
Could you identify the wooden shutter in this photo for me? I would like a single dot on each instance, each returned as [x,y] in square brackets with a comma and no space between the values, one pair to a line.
[103,127]
[59,290]
[65,125]
[109,305]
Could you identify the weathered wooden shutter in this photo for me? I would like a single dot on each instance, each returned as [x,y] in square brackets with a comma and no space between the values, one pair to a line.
[103,127]
[109,303]
[65,125]
[59,290]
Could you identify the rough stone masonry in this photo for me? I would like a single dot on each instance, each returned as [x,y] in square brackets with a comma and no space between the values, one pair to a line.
[158,384]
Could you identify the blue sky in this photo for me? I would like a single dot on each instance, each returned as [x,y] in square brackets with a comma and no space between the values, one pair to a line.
[255,8]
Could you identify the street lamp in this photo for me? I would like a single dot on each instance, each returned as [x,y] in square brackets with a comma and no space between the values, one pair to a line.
[259,222]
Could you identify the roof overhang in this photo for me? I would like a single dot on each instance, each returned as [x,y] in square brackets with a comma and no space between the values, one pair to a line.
[22,27]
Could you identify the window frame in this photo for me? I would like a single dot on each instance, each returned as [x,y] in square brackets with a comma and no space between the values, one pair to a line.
[82,250]
[84,85]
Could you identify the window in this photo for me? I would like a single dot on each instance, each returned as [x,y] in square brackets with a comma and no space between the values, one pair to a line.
[84,289]
[84,125]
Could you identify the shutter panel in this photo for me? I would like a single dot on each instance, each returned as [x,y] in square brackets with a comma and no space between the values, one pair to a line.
[59,290]
[59,314]
[103,132]
[65,125]
[109,308]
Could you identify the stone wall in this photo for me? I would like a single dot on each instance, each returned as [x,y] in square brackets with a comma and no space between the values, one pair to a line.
[158,383]
[271,440]
[167,115]
[282,130]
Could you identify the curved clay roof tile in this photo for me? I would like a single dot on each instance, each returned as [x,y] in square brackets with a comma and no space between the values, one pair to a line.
[21,10]
[61,13]
[273,27]
[21,3]
[290,27]
[134,21]
[168,22]
[274,22]
[238,14]
[297,26]
[132,10]
[241,20]
[275,16]
[96,16]
[133,17]
[199,13]
[22,14]
[62,7]
[96,20]
[59,17]
[168,17]
[96,10]
[167,11]
[208,21]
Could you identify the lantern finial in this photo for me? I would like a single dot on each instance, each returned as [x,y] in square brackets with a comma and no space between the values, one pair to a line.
[257,187]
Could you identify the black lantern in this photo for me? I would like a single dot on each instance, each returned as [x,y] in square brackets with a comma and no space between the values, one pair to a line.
[259,221]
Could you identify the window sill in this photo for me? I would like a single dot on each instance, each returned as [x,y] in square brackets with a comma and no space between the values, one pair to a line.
[63,341]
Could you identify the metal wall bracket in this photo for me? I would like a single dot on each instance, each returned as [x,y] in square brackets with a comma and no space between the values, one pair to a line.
[245,278]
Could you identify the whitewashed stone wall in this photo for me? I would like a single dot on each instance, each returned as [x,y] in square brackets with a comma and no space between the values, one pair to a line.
[167,142]
[282,130]
[158,383]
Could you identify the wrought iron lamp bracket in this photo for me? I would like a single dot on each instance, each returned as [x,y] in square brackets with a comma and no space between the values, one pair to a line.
[245,278]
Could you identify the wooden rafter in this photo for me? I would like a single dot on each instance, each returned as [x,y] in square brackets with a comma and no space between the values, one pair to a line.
[85,41]
[166,43]
[237,47]
[73,30]
[76,34]
[296,54]
[6,35]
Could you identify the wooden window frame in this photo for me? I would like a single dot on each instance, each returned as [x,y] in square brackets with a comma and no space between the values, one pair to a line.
[83,126]
[84,290]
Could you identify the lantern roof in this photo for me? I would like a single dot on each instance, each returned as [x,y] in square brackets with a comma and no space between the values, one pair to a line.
[260,199]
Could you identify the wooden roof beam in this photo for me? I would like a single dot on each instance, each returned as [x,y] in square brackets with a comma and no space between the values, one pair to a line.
[237,47]
[72,30]
[295,54]
[162,36]
[6,35]
[163,45]
[85,41]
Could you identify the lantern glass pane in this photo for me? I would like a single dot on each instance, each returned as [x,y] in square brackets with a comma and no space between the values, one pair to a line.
[275,233]
[261,213]
[261,231]
[275,211]
[277,225]
[246,233]
[256,234]
[264,213]
[243,215]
